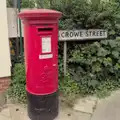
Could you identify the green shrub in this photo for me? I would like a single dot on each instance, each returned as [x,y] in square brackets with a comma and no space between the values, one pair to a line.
[68,87]
[95,65]
[17,89]
[106,87]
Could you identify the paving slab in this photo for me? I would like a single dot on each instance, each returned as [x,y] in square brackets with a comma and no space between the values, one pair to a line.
[5,112]
[70,114]
[109,108]
[18,112]
[2,99]
[2,117]
[80,116]
[86,105]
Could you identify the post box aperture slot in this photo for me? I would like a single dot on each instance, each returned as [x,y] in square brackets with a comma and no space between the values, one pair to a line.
[45,29]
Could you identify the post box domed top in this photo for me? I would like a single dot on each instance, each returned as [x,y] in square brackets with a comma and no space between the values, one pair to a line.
[39,13]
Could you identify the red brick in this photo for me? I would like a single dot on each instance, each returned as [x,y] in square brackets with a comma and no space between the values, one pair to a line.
[4,83]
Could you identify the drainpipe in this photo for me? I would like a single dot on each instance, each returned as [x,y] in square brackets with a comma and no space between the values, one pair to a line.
[20,28]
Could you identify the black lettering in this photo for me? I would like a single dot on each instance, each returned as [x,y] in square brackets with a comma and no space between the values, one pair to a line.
[81,34]
[93,33]
[90,33]
[101,33]
[104,33]
[87,33]
[76,34]
[63,34]
[66,34]
[98,33]
[71,34]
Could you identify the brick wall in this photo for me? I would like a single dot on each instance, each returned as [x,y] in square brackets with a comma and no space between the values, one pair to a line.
[4,84]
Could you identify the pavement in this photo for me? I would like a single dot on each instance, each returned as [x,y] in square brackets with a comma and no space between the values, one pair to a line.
[89,108]
[108,108]
[19,112]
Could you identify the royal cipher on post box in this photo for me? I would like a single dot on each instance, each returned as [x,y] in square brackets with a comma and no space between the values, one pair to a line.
[41,60]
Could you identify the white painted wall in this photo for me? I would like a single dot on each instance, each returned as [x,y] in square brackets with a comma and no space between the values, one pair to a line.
[12,22]
[5,63]
[13,28]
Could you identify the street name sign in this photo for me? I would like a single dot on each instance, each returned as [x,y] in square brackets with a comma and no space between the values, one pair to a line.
[91,34]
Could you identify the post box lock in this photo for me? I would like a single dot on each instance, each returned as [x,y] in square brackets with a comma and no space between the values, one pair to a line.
[54,65]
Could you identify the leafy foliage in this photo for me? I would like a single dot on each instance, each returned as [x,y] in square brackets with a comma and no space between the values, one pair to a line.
[17,90]
[81,14]
[69,87]
[28,4]
[9,3]
[94,64]
[24,3]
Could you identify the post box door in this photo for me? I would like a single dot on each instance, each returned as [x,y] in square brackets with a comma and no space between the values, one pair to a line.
[47,63]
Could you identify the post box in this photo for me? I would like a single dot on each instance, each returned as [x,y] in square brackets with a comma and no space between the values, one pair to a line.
[41,60]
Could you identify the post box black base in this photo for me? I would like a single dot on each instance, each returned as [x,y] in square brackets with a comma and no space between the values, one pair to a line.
[42,107]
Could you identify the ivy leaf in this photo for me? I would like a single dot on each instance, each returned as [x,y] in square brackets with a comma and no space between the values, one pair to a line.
[94,59]
[117,38]
[96,45]
[93,83]
[115,54]
[107,61]
[112,43]
[112,32]
[96,67]
[118,26]
[117,66]
[102,52]
[105,42]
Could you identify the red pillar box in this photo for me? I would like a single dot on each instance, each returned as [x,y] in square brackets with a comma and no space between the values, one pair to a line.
[41,58]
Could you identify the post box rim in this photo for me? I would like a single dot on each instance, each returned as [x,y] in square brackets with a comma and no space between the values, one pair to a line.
[39,13]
